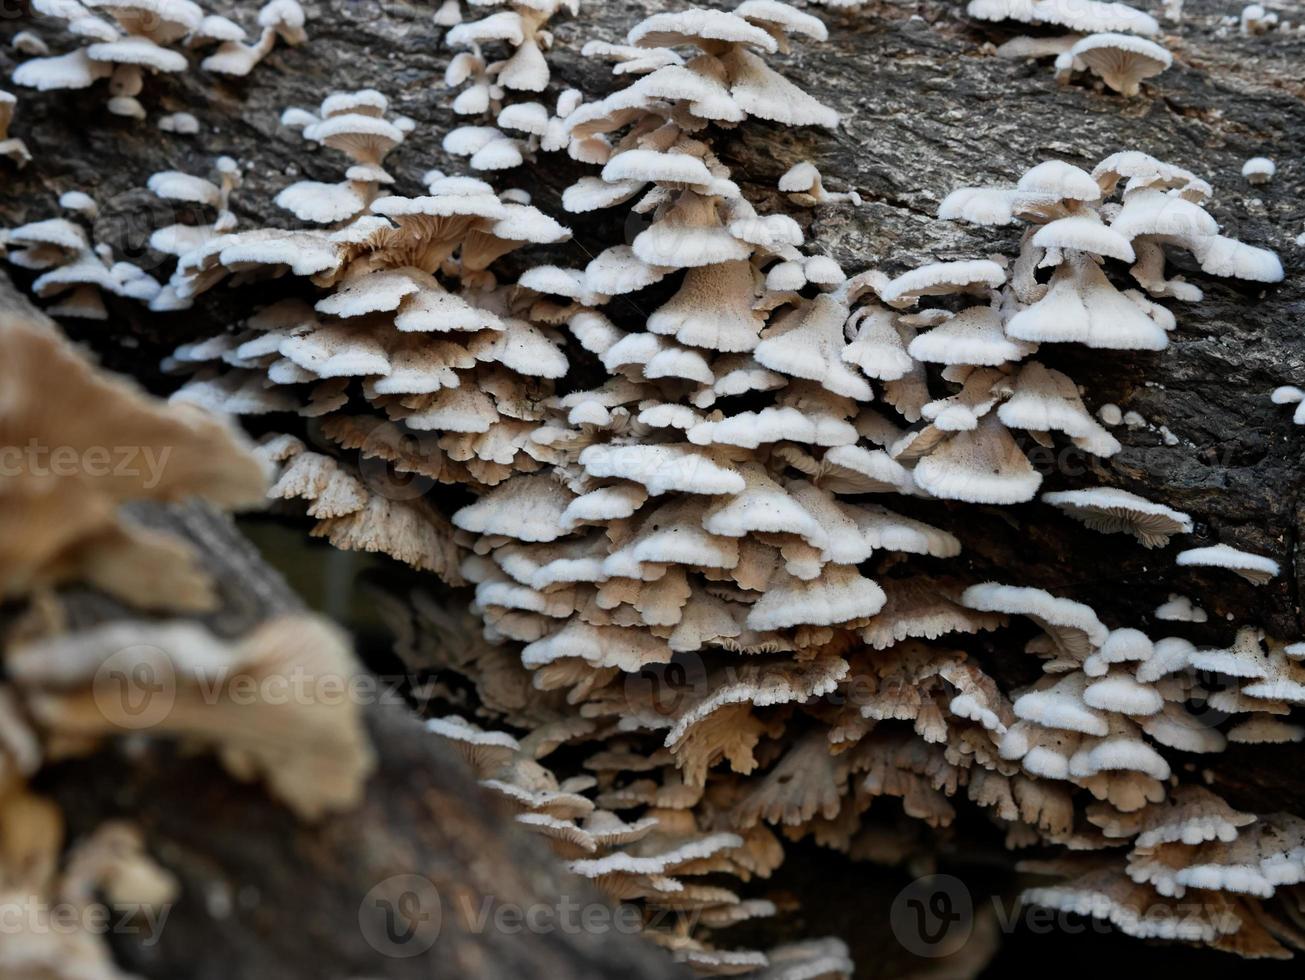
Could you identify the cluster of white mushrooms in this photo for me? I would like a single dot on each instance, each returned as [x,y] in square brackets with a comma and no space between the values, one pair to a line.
[126,39]
[704,509]
[508,128]
[1108,39]
[678,537]
[75,271]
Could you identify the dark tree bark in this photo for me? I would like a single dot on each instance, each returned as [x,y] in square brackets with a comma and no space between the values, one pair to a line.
[264,897]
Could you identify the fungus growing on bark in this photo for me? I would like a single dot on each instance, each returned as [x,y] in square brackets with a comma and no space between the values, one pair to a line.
[1256,569]
[671,546]
[1291,395]
[450,363]
[486,84]
[1259,170]
[1254,20]
[352,123]
[121,49]
[63,510]
[655,859]
[804,185]
[72,268]
[1073,229]
[138,37]
[1088,17]
[1109,48]
[311,750]
[982,466]
[1108,510]
[29,42]
[1123,62]
[281,20]
[1180,609]
[212,196]
[181,123]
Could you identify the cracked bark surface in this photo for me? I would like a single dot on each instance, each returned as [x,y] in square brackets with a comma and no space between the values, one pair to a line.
[926,107]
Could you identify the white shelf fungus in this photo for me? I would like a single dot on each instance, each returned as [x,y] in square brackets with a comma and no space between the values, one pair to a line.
[678,522]
[75,271]
[1291,395]
[1110,511]
[136,37]
[1104,38]
[1180,609]
[1122,61]
[1259,170]
[1256,569]
[1088,16]
[804,185]
[1255,19]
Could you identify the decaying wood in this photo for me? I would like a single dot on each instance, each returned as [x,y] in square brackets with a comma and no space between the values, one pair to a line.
[265,897]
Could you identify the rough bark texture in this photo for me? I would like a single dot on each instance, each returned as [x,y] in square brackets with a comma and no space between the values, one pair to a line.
[266,898]
[926,107]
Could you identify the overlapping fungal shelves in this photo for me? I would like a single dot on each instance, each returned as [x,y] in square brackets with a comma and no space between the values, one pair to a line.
[506,124]
[126,40]
[1110,40]
[75,271]
[715,502]
[1111,701]
[192,197]
[660,859]
[690,525]
[446,381]
[708,453]
[1073,228]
